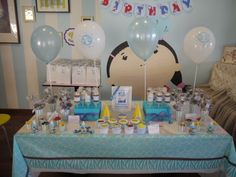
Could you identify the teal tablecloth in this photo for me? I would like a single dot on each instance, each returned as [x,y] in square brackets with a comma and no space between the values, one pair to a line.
[134,153]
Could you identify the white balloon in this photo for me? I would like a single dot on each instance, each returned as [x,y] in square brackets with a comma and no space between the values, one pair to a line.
[199,43]
[89,38]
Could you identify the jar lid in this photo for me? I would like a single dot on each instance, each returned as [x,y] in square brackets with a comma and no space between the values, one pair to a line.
[77,93]
[167,94]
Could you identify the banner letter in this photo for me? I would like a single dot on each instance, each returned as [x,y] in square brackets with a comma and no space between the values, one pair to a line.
[175,7]
[164,10]
[128,9]
[116,6]
[105,3]
[140,10]
[186,4]
[152,10]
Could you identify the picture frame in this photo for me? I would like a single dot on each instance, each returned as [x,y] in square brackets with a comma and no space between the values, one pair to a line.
[229,55]
[121,97]
[53,6]
[9,28]
[28,13]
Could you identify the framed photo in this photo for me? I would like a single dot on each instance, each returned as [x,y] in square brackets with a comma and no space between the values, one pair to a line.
[53,6]
[9,30]
[121,97]
[229,55]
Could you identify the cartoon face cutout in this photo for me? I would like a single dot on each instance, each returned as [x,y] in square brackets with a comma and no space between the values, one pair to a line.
[161,66]
[124,68]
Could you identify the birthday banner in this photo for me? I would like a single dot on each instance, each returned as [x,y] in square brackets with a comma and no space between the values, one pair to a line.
[160,9]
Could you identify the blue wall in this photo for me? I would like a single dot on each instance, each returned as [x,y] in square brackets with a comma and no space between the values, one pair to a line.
[217,15]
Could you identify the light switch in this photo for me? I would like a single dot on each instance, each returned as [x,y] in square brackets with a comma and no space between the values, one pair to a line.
[28,13]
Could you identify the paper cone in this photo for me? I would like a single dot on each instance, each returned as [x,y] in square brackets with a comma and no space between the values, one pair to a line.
[106,112]
[137,112]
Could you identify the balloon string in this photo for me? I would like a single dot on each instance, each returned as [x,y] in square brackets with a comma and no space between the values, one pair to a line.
[50,80]
[96,73]
[145,80]
[195,77]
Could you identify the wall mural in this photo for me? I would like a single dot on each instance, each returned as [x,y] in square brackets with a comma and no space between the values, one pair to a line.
[125,68]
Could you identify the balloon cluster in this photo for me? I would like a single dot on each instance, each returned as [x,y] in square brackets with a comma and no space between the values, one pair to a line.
[45,43]
[89,38]
[143,37]
[199,43]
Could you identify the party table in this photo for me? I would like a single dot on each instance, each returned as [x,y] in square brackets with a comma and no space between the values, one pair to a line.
[170,151]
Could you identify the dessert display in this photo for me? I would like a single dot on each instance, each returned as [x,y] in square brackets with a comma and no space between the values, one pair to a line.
[211,127]
[192,129]
[135,121]
[188,110]
[157,111]
[122,116]
[52,127]
[123,121]
[84,129]
[188,122]
[101,120]
[116,128]
[106,112]
[141,128]
[45,126]
[87,103]
[103,128]
[112,121]
[129,129]
[62,126]
[137,112]
[57,120]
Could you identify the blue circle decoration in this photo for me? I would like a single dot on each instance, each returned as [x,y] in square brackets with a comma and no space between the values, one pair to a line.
[87,40]
[203,37]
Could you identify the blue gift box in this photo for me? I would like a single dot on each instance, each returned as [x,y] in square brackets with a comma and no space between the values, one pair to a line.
[157,111]
[88,111]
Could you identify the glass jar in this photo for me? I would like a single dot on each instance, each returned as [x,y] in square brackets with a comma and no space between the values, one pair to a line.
[167,97]
[150,97]
[65,114]
[77,97]
[87,98]
[159,97]
[82,95]
[95,94]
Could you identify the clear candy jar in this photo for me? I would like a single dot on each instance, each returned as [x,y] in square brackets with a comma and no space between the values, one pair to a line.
[77,97]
